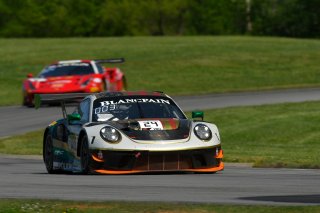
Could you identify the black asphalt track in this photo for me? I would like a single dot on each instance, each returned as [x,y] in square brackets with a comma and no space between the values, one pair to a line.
[26,177]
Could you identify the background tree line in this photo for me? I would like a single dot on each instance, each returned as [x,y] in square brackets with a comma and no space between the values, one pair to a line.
[66,18]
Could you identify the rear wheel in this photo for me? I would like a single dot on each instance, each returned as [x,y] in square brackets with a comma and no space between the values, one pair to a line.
[85,155]
[48,154]
[26,102]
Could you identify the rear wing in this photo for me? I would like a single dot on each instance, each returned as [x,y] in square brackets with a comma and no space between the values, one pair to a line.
[40,99]
[111,60]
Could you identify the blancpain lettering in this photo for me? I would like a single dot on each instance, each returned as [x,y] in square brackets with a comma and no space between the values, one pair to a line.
[139,100]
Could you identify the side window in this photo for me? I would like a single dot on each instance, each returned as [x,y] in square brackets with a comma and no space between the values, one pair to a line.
[84,110]
[100,68]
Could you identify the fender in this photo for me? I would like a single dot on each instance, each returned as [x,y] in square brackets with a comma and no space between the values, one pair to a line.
[115,79]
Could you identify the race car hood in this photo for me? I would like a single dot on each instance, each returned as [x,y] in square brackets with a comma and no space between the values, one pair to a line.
[153,129]
[58,83]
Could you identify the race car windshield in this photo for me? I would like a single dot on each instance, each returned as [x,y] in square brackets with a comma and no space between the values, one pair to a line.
[134,107]
[66,70]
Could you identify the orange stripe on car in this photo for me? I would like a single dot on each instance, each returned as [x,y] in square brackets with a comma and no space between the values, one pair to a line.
[220,154]
[96,159]
[112,172]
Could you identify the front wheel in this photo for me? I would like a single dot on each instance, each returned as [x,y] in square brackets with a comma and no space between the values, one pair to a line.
[85,155]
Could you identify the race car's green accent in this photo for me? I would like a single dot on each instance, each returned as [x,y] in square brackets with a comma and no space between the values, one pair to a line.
[37,101]
[74,117]
[197,114]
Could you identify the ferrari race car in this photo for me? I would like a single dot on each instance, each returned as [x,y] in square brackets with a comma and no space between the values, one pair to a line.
[74,76]
[129,132]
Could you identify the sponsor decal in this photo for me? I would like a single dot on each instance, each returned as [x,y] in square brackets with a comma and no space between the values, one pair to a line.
[72,141]
[105,109]
[63,165]
[151,125]
[120,105]
[217,136]
[71,63]
[94,89]
[60,82]
[57,85]
[58,152]
[37,79]
[92,141]
[138,100]
[123,108]
[52,123]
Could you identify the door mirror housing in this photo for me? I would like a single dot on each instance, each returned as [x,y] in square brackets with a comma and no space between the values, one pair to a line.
[30,75]
[197,114]
[74,117]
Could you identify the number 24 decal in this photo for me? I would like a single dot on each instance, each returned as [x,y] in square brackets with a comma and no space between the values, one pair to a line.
[152,125]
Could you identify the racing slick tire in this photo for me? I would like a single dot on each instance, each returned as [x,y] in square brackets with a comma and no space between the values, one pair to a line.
[85,155]
[26,102]
[48,155]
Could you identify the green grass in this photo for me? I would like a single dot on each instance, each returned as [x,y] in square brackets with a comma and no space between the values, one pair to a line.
[176,65]
[25,144]
[12,206]
[282,135]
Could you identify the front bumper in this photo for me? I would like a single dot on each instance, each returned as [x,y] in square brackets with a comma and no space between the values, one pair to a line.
[126,162]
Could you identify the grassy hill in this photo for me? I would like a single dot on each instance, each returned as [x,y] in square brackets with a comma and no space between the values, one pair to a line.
[176,65]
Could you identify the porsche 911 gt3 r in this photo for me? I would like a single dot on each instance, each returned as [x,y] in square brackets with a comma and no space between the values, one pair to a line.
[129,132]
[74,76]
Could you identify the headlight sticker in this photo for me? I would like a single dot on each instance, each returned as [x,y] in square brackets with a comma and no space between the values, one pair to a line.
[217,136]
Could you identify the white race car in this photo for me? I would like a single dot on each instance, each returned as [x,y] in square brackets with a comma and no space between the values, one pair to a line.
[129,132]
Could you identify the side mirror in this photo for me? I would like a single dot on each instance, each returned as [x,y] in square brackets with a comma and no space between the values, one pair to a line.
[30,75]
[74,117]
[197,114]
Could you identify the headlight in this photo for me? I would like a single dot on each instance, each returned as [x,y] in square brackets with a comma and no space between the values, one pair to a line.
[202,132]
[110,134]
[97,80]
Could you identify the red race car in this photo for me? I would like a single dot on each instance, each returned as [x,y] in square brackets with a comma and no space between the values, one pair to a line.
[74,76]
